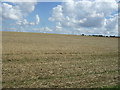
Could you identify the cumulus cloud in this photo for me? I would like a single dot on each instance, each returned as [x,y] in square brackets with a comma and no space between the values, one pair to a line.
[86,16]
[16,11]
[42,29]
[37,19]
[112,25]
[10,12]
[19,1]
[57,14]
[25,7]
[24,22]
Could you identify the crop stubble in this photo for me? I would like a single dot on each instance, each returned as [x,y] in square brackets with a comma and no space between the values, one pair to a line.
[36,60]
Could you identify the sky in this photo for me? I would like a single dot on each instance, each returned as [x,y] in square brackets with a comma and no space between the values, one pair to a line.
[90,17]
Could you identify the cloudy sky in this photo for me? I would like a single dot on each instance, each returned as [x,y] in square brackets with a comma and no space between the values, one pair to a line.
[73,17]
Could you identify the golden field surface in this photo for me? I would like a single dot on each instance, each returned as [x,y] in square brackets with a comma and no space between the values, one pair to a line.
[36,60]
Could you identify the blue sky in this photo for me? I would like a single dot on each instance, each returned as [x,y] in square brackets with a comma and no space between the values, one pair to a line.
[44,10]
[74,17]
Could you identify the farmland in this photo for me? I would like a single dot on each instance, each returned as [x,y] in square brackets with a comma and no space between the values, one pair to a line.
[38,60]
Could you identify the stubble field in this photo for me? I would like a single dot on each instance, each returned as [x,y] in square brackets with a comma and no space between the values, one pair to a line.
[34,60]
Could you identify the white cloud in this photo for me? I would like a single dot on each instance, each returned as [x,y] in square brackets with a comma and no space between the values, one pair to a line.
[25,7]
[71,17]
[112,25]
[24,22]
[10,12]
[57,14]
[86,16]
[19,1]
[43,30]
[37,19]
[16,11]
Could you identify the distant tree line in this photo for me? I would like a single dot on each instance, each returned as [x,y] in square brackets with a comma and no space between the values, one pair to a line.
[99,35]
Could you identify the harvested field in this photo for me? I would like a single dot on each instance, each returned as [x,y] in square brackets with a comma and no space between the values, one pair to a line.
[36,60]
